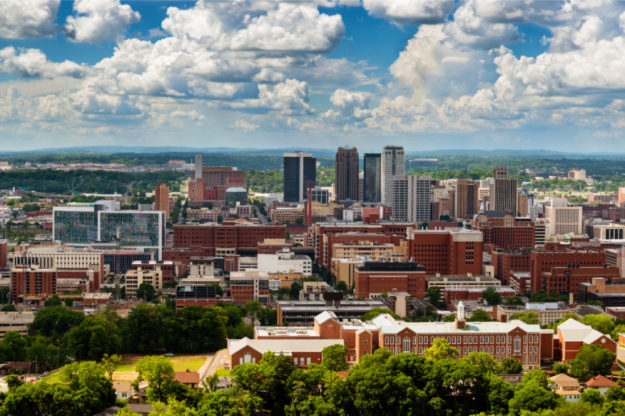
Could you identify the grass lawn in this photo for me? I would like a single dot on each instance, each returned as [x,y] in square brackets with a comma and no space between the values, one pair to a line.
[180,363]
[222,372]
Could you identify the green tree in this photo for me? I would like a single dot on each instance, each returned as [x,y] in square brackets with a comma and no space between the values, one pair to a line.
[55,321]
[560,368]
[95,336]
[13,347]
[13,381]
[510,366]
[296,287]
[530,318]
[440,349]
[601,323]
[159,373]
[378,311]
[590,361]
[148,329]
[479,315]
[592,396]
[146,292]
[42,354]
[513,300]
[491,296]
[54,300]
[532,395]
[69,302]
[433,294]
[110,363]
[9,307]
[335,357]
[200,329]
[341,286]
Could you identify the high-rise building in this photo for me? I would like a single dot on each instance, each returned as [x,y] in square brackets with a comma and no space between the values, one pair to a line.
[372,179]
[161,199]
[412,198]
[300,173]
[466,201]
[346,174]
[564,220]
[621,196]
[419,198]
[400,198]
[503,195]
[392,164]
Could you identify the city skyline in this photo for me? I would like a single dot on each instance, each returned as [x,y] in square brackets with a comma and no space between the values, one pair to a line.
[427,75]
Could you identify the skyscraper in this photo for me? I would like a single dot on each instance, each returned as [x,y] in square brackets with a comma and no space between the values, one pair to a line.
[161,199]
[300,173]
[400,198]
[392,164]
[412,200]
[419,198]
[503,191]
[346,174]
[372,177]
[466,203]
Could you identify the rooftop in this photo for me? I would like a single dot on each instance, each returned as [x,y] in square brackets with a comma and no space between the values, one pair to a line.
[281,346]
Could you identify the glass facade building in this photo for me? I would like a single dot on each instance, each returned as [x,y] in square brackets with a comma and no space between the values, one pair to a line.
[76,225]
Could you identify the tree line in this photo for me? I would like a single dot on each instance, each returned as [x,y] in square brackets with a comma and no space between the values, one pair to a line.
[59,334]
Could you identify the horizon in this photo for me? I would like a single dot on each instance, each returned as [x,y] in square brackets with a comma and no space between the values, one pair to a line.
[431,75]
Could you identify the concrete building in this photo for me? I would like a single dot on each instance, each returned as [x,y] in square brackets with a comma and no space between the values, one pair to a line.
[344,270]
[609,233]
[235,195]
[285,262]
[372,177]
[548,312]
[609,292]
[16,322]
[304,312]
[392,165]
[152,272]
[313,290]
[346,174]
[300,174]
[564,220]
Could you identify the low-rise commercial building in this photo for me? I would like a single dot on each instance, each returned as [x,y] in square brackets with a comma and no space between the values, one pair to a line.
[16,322]
[249,285]
[285,262]
[547,312]
[374,278]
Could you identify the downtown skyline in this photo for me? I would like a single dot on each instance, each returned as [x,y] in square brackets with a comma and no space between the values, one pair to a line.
[427,75]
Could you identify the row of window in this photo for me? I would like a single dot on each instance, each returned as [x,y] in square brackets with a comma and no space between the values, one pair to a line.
[453,340]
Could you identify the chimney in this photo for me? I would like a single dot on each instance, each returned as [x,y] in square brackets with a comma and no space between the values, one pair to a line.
[460,321]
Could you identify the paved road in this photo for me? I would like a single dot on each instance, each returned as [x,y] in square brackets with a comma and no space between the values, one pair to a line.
[263,220]
[214,363]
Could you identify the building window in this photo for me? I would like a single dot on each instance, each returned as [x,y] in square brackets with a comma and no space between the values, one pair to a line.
[517,345]
[364,342]
[414,340]
[308,360]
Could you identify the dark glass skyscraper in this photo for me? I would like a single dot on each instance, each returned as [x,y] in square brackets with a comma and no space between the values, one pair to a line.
[300,173]
[346,174]
[372,185]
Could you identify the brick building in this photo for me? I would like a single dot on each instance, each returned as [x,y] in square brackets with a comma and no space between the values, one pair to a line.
[40,283]
[208,237]
[375,278]
[448,252]
[543,261]
[209,183]
[249,286]
[504,231]
[567,279]
[303,351]
[573,335]
[610,292]
[505,262]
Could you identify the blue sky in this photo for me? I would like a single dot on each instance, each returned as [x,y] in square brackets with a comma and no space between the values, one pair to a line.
[427,74]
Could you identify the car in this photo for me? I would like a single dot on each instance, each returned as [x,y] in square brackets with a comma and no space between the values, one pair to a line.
[169,354]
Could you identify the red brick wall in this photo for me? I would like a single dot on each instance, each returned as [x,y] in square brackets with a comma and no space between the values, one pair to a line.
[543,261]
[232,236]
[38,283]
[378,282]
[564,279]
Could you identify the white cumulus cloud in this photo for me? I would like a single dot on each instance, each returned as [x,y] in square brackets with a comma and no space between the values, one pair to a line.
[27,18]
[99,20]
[33,63]
[410,11]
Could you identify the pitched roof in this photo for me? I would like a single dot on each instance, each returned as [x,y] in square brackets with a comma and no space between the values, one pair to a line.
[562,380]
[282,346]
[575,331]
[188,377]
[600,381]
[324,316]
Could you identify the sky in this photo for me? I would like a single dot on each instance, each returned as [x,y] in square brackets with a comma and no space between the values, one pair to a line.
[425,74]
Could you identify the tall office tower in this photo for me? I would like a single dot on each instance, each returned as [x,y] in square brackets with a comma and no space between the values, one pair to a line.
[346,174]
[300,173]
[161,199]
[419,198]
[361,186]
[372,178]
[392,164]
[503,191]
[400,198]
[466,201]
